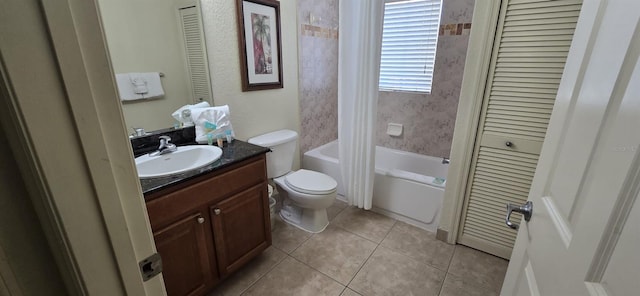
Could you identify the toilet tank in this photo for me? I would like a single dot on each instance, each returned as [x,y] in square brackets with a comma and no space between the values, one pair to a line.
[283,148]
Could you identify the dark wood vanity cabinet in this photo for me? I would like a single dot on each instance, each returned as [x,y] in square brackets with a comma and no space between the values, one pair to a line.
[241,227]
[208,227]
[186,256]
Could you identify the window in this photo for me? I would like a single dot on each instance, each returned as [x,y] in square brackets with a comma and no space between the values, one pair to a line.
[409,39]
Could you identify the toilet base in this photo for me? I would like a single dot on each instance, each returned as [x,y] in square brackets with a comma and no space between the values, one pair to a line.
[310,220]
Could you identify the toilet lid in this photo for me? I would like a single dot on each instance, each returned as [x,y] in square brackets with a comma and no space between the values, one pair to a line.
[311,182]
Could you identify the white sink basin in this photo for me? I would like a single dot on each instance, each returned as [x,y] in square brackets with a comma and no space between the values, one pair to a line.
[187,158]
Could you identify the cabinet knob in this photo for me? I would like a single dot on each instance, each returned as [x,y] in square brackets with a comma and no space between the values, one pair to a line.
[216,211]
[200,220]
[508,144]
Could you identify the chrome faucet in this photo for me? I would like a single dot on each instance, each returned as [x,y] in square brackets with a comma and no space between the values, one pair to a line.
[445,160]
[165,147]
[138,131]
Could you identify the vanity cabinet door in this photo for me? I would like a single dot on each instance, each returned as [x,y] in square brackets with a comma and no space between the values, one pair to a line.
[186,255]
[241,227]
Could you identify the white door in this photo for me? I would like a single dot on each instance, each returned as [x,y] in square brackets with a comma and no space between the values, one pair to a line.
[584,233]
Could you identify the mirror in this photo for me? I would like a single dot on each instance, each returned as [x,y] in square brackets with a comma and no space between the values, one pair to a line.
[162,36]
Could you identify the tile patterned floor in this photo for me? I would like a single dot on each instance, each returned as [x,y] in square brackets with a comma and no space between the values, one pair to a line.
[362,253]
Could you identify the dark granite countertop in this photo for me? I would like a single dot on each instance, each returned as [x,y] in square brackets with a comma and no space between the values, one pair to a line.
[232,153]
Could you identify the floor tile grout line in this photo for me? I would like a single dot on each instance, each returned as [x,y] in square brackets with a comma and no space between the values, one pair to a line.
[265,274]
[411,258]
[472,283]
[446,269]
[385,236]
[454,254]
[338,213]
[369,257]
[455,249]
[290,254]
[283,251]
[395,221]
[352,290]
[422,263]
[388,235]
[393,226]
[342,292]
[378,244]
[362,266]
[358,235]
[419,260]
[442,285]
[302,243]
[482,285]
[374,250]
[330,277]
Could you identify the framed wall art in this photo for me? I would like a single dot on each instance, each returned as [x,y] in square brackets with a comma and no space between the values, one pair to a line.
[260,44]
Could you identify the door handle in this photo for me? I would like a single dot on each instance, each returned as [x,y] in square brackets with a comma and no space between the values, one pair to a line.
[526,210]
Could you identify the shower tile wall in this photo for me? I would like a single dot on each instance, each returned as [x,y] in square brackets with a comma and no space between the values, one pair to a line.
[429,119]
[318,78]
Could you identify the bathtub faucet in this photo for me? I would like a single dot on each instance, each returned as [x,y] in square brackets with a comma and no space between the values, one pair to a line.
[445,160]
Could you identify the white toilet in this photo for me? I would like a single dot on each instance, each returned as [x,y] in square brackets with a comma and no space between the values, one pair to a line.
[307,194]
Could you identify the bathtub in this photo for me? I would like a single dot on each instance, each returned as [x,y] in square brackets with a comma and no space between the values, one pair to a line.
[408,186]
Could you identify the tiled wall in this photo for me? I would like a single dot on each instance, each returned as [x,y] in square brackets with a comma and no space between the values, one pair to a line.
[318,74]
[429,119]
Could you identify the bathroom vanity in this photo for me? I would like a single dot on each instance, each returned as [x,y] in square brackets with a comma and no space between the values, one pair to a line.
[210,222]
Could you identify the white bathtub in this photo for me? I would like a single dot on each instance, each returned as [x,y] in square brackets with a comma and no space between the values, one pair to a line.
[408,186]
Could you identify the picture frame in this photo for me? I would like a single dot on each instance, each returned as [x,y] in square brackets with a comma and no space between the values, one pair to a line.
[260,44]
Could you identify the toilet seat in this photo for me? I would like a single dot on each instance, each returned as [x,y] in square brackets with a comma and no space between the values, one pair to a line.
[310,182]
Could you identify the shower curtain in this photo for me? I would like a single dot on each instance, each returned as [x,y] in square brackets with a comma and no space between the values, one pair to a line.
[360,42]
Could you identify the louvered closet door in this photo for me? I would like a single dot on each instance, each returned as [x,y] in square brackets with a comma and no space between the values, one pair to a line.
[196,54]
[530,49]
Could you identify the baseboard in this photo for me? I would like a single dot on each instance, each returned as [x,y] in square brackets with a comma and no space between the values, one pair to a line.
[442,235]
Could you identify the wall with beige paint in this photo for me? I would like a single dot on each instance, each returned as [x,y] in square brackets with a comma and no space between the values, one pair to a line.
[254,112]
[144,36]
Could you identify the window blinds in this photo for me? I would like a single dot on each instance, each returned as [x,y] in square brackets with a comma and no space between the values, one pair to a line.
[409,39]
